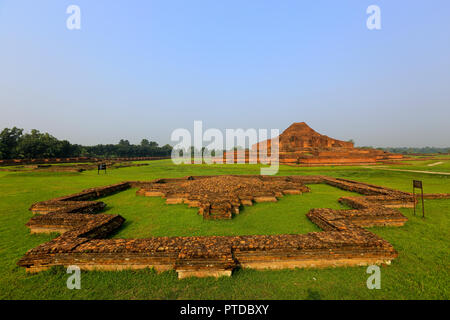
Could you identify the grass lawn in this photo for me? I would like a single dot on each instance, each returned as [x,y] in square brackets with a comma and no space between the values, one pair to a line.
[425,165]
[420,272]
[146,217]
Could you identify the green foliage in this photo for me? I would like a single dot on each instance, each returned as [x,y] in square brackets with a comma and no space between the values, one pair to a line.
[36,145]
[409,150]
[43,145]
[9,139]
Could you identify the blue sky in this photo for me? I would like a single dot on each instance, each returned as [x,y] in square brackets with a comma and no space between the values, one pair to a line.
[140,69]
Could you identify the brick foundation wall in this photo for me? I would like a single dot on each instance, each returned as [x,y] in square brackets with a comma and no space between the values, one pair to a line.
[343,240]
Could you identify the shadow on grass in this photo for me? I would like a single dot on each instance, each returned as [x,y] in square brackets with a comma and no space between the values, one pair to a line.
[313,295]
[124,225]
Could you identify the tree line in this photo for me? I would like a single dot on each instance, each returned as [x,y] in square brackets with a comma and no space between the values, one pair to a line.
[15,144]
[407,150]
[411,150]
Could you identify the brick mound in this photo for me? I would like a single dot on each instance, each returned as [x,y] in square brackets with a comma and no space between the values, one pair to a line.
[342,243]
[299,144]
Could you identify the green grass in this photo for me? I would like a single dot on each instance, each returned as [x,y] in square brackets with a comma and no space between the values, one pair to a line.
[420,272]
[423,165]
[146,217]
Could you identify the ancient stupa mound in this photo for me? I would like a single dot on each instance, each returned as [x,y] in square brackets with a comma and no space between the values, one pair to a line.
[300,137]
[300,144]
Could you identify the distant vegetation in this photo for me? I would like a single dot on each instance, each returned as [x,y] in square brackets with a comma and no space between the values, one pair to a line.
[405,150]
[15,144]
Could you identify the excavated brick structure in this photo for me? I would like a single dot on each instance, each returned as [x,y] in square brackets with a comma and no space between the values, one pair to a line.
[343,241]
[74,167]
[220,197]
[15,162]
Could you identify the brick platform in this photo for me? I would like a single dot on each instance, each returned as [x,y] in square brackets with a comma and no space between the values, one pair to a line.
[220,197]
[343,241]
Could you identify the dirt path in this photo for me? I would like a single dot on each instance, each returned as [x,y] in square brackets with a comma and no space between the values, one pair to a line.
[435,164]
[416,171]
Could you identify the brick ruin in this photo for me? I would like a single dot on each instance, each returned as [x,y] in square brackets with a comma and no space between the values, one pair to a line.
[343,241]
[219,197]
[75,167]
[301,145]
[16,162]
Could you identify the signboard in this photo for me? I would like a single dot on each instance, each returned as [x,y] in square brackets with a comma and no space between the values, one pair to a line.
[418,184]
[101,166]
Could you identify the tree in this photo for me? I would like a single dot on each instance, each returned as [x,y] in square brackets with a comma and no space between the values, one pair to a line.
[9,139]
[153,144]
[145,143]
[123,142]
[36,145]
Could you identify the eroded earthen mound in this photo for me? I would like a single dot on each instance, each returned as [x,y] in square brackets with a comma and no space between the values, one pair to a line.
[300,144]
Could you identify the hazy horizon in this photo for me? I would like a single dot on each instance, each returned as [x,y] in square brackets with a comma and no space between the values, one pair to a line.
[143,69]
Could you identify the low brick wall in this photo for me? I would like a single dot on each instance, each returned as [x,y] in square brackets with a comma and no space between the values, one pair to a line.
[15,162]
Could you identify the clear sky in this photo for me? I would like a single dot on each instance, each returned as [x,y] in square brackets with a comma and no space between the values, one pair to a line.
[140,69]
